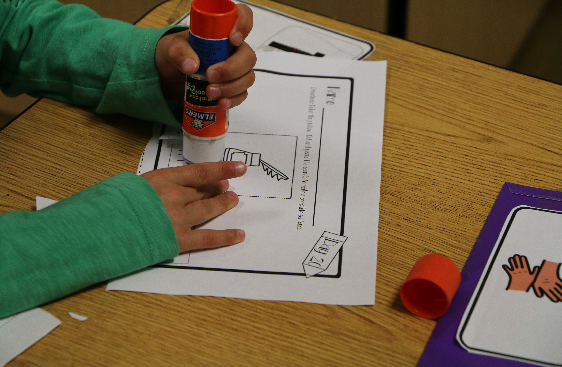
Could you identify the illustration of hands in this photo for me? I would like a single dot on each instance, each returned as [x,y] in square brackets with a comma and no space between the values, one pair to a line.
[544,279]
[520,275]
[253,159]
[548,281]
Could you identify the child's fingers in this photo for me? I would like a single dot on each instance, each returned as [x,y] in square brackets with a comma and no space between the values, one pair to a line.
[188,195]
[195,175]
[173,57]
[231,88]
[180,53]
[242,26]
[211,190]
[200,211]
[226,103]
[238,64]
[207,238]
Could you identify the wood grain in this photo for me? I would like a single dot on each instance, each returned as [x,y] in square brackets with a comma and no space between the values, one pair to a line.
[455,131]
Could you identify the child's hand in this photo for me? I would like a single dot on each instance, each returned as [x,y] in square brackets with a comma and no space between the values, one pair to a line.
[229,79]
[194,194]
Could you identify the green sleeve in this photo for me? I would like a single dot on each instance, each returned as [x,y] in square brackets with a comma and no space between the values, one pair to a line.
[69,53]
[111,229]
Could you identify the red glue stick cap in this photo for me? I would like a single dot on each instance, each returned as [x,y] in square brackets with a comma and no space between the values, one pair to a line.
[212,19]
[430,286]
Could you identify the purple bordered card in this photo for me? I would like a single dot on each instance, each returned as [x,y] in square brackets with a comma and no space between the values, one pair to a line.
[443,349]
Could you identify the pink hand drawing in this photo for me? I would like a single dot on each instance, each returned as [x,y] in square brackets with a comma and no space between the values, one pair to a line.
[548,281]
[521,277]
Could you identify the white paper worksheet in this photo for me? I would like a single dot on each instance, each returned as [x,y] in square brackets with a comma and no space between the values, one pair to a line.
[310,133]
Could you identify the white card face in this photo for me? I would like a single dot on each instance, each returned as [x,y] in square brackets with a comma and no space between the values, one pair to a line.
[278,32]
[516,309]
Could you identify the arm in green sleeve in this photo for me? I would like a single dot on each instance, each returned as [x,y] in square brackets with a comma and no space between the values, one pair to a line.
[70,53]
[111,229]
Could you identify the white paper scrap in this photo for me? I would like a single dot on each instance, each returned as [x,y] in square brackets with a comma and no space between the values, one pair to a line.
[21,331]
[42,203]
[77,317]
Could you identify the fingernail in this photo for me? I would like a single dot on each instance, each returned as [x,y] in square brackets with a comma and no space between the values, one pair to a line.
[213,76]
[214,93]
[224,185]
[240,236]
[239,169]
[188,66]
[237,39]
[226,104]
[232,195]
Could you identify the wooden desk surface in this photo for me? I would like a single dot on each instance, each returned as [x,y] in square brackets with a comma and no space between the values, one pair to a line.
[455,131]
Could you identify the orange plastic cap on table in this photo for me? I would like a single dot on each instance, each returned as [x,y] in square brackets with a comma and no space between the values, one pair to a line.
[430,286]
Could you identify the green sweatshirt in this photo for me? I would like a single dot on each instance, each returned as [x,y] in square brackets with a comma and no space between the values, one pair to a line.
[70,54]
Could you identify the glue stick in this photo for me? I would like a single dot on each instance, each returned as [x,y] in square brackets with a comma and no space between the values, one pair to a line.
[204,123]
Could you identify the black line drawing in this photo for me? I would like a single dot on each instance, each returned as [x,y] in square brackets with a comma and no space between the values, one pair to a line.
[283,47]
[253,160]
[543,279]
[323,253]
[306,41]
[287,145]
[281,165]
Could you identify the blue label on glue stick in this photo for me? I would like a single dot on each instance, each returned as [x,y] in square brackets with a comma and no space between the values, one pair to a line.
[210,51]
